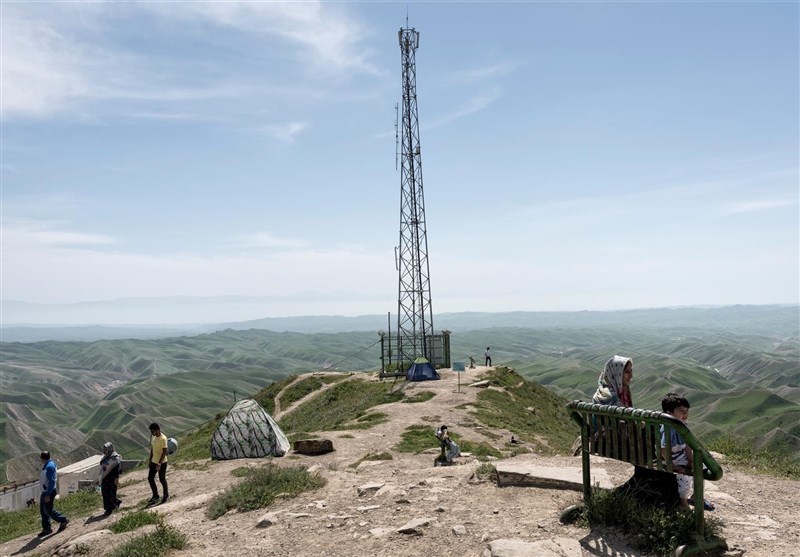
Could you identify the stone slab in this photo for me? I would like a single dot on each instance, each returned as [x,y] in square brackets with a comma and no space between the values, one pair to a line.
[557,547]
[530,475]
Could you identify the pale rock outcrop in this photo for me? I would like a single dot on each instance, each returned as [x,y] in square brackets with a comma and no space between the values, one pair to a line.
[368,489]
[412,526]
[558,547]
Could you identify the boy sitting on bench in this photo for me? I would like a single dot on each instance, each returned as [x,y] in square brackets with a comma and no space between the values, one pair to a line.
[675,448]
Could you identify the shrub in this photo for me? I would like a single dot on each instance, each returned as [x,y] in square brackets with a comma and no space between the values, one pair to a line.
[154,544]
[485,471]
[649,529]
[261,486]
[135,520]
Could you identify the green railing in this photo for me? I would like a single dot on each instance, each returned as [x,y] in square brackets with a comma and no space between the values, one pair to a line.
[633,435]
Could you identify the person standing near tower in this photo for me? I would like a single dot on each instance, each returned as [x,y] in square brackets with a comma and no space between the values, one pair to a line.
[488,356]
[48,481]
[158,463]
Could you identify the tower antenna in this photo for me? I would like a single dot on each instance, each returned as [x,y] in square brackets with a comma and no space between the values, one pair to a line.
[396,135]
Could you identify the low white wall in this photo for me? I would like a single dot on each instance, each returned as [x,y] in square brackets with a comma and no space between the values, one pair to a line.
[16,498]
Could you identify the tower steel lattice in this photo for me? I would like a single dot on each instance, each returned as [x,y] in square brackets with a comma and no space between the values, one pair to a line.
[414,312]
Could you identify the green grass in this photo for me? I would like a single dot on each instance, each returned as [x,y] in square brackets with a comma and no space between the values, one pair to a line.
[196,445]
[742,452]
[373,456]
[196,466]
[649,529]
[135,520]
[305,387]
[480,450]
[266,396]
[549,428]
[241,472]
[260,488]
[417,438]
[485,471]
[340,408]
[155,544]
[421,396]
[14,524]
[368,420]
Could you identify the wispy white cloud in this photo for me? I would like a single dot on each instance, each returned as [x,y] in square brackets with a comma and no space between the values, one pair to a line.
[263,239]
[757,206]
[482,73]
[43,234]
[330,36]
[42,69]
[284,132]
[54,61]
[58,58]
[41,211]
[168,116]
[472,105]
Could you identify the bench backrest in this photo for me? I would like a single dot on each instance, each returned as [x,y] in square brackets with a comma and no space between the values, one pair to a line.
[634,435]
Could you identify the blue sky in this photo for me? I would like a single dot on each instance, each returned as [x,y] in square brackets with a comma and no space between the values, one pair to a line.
[575,155]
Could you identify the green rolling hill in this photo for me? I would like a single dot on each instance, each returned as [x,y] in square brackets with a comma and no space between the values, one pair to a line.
[740,368]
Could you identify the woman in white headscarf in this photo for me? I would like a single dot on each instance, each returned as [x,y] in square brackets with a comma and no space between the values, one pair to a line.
[614,385]
[110,468]
[613,389]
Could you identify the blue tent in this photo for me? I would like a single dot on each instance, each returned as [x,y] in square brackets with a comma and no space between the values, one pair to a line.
[421,370]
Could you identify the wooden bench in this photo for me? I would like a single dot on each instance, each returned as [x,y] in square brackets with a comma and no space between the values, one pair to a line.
[633,435]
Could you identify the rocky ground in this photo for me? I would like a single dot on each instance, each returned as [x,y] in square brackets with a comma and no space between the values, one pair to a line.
[443,510]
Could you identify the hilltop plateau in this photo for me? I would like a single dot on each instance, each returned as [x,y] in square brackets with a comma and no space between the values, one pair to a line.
[367,498]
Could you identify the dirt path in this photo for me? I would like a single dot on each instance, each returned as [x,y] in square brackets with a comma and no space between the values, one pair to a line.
[279,412]
[760,514]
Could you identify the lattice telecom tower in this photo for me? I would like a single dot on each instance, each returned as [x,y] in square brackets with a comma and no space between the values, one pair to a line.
[414,313]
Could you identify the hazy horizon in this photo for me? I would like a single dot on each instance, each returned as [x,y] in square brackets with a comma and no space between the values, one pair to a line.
[169,311]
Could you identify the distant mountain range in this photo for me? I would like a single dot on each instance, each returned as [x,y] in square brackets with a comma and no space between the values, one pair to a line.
[742,318]
[739,366]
